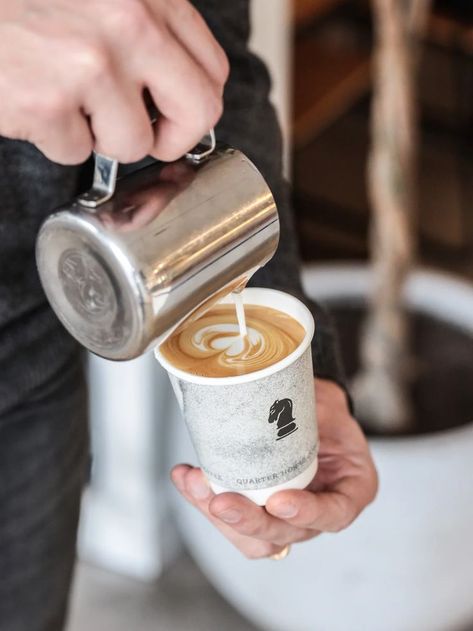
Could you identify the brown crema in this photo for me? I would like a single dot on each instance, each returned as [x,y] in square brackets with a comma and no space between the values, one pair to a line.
[211,346]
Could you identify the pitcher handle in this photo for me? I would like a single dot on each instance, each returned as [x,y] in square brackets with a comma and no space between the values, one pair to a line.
[106,169]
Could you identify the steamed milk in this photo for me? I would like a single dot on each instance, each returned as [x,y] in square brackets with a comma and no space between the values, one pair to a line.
[240,313]
[228,341]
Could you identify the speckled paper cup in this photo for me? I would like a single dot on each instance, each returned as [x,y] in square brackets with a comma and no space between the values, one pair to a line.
[255,434]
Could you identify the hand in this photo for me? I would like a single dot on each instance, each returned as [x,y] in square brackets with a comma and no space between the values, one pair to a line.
[72,76]
[346,482]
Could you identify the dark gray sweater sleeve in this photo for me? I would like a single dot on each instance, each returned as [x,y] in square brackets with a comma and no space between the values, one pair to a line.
[249,123]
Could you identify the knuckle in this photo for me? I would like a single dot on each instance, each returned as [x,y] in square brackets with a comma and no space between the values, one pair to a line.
[129,18]
[94,60]
[157,33]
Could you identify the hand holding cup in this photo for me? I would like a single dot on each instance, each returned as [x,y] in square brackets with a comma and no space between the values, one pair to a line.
[346,482]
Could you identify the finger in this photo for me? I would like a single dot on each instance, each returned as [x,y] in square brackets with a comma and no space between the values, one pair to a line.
[192,485]
[325,511]
[187,99]
[68,138]
[192,31]
[119,120]
[178,475]
[252,520]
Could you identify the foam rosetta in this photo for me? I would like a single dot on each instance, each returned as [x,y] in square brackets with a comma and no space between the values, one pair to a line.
[212,346]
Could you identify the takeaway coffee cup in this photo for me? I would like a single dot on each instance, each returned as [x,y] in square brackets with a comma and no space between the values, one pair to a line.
[238,424]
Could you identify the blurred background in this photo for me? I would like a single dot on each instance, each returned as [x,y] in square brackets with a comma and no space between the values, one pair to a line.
[331,131]
[147,561]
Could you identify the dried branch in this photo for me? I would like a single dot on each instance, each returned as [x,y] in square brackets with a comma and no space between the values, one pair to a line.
[381,389]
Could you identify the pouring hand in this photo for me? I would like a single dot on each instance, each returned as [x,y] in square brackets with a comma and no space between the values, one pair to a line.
[72,76]
[345,484]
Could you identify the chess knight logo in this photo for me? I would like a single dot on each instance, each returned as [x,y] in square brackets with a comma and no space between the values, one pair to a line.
[281,413]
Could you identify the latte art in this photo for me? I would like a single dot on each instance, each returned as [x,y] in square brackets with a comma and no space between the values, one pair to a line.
[213,347]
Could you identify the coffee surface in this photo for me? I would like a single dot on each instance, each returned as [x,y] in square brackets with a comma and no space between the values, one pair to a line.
[212,346]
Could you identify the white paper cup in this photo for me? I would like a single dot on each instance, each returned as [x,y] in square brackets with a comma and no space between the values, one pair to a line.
[255,434]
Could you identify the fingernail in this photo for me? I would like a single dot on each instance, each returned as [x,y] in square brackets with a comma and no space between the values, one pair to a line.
[284,510]
[198,489]
[230,516]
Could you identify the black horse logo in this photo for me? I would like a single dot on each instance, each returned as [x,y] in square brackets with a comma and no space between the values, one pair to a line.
[281,411]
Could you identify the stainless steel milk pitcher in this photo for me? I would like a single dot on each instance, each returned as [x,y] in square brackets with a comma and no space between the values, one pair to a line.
[124,265]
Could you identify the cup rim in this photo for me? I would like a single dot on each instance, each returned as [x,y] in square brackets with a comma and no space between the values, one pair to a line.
[309,327]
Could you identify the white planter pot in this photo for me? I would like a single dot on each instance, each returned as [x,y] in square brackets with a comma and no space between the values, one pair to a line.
[407,563]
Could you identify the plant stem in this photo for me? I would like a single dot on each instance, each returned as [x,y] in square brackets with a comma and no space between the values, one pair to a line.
[381,389]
